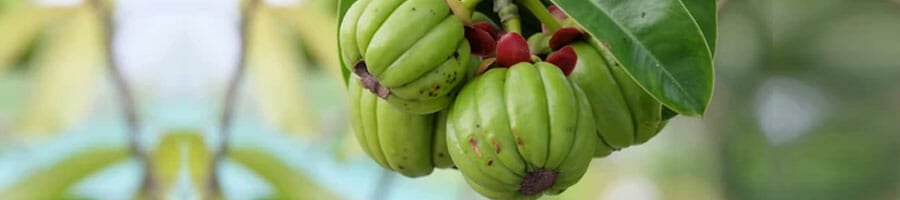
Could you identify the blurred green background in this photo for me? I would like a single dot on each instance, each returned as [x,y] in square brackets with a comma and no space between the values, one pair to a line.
[806,106]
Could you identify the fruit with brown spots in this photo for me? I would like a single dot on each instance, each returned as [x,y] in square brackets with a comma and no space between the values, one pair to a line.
[521,132]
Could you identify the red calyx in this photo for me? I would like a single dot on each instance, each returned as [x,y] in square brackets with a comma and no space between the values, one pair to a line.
[564,36]
[565,59]
[487,27]
[482,43]
[512,49]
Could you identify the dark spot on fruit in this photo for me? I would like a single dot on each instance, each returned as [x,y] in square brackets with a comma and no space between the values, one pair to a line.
[474,144]
[440,154]
[518,139]
[477,125]
[413,9]
[401,167]
[643,14]
[490,162]
[496,146]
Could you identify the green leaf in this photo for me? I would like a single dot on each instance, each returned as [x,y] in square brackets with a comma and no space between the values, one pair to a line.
[659,43]
[343,6]
[667,114]
[704,12]
[54,181]
[287,182]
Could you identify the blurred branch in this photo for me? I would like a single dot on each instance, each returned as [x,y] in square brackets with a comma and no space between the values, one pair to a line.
[126,97]
[231,96]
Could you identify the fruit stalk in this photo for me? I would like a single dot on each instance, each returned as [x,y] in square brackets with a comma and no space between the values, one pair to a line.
[470,4]
[509,15]
[538,10]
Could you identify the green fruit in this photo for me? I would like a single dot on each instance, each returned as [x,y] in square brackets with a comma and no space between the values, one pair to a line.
[645,110]
[538,43]
[625,114]
[412,53]
[521,132]
[611,113]
[396,140]
[439,154]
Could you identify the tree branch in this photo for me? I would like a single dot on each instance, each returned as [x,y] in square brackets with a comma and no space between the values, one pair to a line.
[231,96]
[126,97]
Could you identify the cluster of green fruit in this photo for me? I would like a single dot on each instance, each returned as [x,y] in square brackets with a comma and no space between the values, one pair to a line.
[436,86]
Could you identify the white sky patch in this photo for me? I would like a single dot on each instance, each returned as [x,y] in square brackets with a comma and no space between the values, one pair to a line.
[787,108]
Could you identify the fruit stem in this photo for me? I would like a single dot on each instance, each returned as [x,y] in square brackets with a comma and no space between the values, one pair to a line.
[463,9]
[470,4]
[540,11]
[509,15]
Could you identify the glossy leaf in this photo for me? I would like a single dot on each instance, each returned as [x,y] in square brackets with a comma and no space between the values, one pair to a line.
[54,181]
[343,6]
[274,66]
[704,12]
[287,182]
[659,43]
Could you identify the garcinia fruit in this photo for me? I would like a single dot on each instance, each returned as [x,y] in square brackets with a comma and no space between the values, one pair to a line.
[521,132]
[625,115]
[412,53]
[409,144]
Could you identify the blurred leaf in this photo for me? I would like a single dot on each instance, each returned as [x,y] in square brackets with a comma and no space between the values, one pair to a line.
[54,181]
[313,26]
[658,42]
[181,152]
[329,5]
[275,72]
[289,183]
[68,70]
[19,27]
[12,87]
